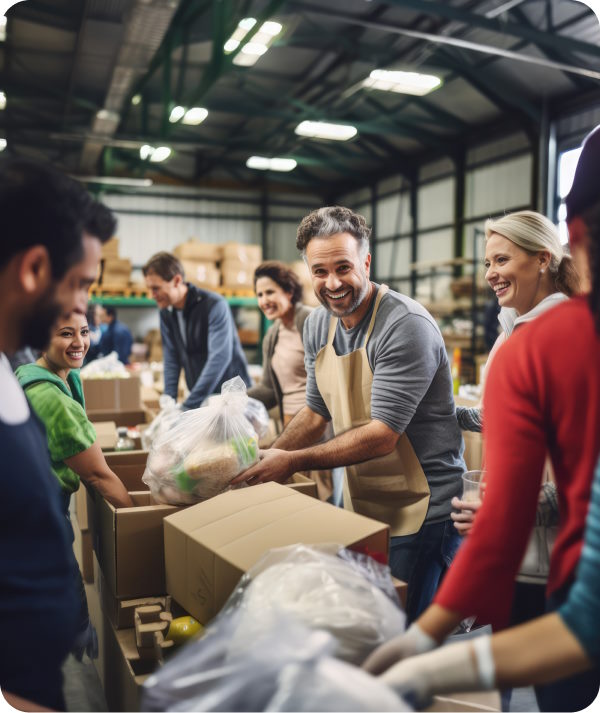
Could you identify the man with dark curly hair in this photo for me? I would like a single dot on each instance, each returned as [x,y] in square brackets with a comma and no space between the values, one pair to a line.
[377,368]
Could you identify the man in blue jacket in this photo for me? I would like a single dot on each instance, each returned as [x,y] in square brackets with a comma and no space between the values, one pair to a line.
[197,330]
[116,337]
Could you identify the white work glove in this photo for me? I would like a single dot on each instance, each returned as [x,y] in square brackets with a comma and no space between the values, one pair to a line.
[460,667]
[412,642]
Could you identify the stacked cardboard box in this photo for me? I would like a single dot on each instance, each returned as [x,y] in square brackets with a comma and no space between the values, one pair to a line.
[199,262]
[239,263]
[154,343]
[115,399]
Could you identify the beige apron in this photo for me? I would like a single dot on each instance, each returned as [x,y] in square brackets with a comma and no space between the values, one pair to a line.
[393,488]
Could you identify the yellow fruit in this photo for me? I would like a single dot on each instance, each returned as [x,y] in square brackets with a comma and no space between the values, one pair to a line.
[183,629]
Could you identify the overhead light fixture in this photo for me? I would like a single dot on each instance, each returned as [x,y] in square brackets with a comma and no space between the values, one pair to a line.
[136,99]
[107,115]
[117,181]
[3,28]
[2,101]
[177,112]
[160,153]
[3,144]
[262,163]
[146,151]
[195,116]
[402,82]
[325,130]
[257,46]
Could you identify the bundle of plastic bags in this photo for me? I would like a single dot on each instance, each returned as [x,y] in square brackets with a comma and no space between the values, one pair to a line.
[197,456]
[106,367]
[282,657]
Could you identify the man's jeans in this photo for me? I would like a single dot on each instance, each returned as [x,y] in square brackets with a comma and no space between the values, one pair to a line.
[420,560]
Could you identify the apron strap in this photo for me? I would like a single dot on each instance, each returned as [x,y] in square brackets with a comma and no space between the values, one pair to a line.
[333,322]
[381,292]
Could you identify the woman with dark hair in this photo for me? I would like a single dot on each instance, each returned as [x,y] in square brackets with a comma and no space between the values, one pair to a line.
[279,295]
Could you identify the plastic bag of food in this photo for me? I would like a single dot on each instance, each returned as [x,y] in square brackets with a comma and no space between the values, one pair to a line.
[200,453]
[168,415]
[106,367]
[285,667]
[351,596]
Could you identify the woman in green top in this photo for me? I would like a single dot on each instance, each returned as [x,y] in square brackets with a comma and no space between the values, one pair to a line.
[53,387]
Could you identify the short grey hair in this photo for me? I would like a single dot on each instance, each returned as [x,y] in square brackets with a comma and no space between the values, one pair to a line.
[332,220]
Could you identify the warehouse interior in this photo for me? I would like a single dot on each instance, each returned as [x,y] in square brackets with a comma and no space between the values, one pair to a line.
[185,118]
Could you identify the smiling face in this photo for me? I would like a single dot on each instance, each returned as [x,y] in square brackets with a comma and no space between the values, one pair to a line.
[340,277]
[70,342]
[513,273]
[164,292]
[273,300]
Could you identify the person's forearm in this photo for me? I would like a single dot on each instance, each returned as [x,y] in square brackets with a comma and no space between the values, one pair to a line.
[355,446]
[306,428]
[537,652]
[109,486]
[438,622]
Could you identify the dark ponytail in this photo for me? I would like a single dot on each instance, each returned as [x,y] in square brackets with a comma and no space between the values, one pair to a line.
[566,278]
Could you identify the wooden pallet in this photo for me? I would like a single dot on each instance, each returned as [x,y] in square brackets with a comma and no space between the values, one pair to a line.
[117,291]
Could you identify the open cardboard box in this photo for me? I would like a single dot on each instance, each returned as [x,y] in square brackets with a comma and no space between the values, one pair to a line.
[121,418]
[209,546]
[129,466]
[106,434]
[112,394]
[129,544]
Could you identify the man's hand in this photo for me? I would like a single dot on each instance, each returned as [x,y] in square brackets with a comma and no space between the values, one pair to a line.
[274,464]
[412,642]
[463,520]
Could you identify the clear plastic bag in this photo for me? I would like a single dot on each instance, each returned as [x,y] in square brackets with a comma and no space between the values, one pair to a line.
[205,448]
[168,415]
[278,658]
[258,416]
[350,596]
[106,367]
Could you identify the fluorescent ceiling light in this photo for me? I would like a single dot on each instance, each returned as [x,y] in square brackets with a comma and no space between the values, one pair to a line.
[2,101]
[325,130]
[176,113]
[3,144]
[195,116]
[243,28]
[247,23]
[402,82]
[116,181]
[271,28]
[254,48]
[136,99]
[231,45]
[161,153]
[262,163]
[146,151]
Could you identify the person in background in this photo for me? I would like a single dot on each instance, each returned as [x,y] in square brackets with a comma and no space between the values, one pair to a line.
[96,329]
[116,337]
[542,396]
[48,259]
[197,330]
[378,369]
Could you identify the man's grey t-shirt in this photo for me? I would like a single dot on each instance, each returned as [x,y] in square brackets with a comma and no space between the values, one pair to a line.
[412,386]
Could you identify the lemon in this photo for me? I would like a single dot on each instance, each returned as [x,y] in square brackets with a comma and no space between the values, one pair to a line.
[183,629]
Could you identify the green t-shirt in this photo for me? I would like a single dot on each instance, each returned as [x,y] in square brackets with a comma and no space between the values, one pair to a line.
[61,410]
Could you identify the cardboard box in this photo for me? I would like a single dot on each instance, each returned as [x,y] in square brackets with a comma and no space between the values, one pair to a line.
[401,590]
[110,249]
[209,546]
[150,397]
[121,418]
[471,702]
[82,547]
[106,434]
[243,252]
[202,274]
[129,544]
[112,395]
[129,466]
[303,484]
[195,250]
[238,274]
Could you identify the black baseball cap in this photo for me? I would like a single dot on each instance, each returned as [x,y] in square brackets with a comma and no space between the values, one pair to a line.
[585,190]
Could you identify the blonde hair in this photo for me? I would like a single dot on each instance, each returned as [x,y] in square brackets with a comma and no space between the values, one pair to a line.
[534,233]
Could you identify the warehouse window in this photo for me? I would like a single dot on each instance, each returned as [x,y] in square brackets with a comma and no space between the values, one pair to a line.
[567,164]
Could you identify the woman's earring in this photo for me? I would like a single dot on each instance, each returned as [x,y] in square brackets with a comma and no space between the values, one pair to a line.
[541,270]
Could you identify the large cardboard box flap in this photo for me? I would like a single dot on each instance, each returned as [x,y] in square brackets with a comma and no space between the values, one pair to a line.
[209,546]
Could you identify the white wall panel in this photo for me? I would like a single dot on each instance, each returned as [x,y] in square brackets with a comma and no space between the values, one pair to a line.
[498,187]
[387,264]
[393,215]
[438,245]
[281,242]
[436,203]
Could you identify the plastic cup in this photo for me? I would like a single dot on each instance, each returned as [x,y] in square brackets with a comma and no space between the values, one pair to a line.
[471,485]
